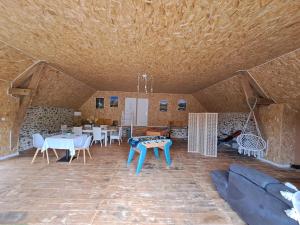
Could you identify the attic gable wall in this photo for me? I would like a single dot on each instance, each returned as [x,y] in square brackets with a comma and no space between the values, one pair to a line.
[280,78]
[12,62]
[55,87]
[225,96]
[61,90]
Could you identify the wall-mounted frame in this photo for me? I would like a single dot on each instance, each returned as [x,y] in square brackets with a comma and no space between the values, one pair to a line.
[181,105]
[114,101]
[163,105]
[100,103]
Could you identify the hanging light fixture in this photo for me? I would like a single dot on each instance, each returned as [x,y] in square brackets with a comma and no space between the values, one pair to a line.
[145,82]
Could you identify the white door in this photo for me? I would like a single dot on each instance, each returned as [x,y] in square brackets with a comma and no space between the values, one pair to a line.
[142,112]
[130,112]
[130,109]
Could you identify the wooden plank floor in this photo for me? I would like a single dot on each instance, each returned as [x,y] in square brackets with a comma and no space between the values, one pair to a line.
[105,191]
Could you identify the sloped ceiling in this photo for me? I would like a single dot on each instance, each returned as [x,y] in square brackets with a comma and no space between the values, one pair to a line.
[280,78]
[12,62]
[186,45]
[225,96]
[55,88]
[61,90]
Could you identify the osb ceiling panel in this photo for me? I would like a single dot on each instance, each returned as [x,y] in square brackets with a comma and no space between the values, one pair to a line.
[12,62]
[185,44]
[225,96]
[280,78]
[60,90]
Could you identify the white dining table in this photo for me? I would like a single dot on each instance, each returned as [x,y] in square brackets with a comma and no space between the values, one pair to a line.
[64,141]
[104,131]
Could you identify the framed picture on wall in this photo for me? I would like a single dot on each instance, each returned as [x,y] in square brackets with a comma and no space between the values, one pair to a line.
[114,101]
[99,103]
[163,105]
[181,105]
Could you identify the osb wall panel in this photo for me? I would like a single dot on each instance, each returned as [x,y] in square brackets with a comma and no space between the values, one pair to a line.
[61,90]
[280,78]
[289,134]
[187,45]
[271,118]
[155,117]
[225,96]
[12,62]
[279,126]
[8,110]
[297,154]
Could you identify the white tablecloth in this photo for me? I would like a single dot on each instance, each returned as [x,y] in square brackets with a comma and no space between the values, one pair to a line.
[64,141]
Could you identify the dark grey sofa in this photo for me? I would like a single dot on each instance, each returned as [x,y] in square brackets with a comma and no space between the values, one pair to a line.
[255,196]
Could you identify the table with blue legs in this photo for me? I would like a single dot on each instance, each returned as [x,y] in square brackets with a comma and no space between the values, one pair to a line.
[142,143]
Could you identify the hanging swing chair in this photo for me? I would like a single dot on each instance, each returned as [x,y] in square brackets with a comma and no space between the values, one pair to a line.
[249,143]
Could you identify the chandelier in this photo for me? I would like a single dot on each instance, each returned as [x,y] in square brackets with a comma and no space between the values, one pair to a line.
[145,82]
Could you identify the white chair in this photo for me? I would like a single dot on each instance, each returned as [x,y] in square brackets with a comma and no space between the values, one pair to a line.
[98,135]
[38,142]
[77,130]
[63,128]
[84,147]
[87,126]
[104,126]
[116,136]
[78,142]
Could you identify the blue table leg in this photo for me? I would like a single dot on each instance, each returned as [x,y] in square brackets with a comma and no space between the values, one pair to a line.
[143,152]
[130,156]
[167,154]
[156,153]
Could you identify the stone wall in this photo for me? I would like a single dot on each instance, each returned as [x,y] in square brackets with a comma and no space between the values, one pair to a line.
[230,122]
[44,120]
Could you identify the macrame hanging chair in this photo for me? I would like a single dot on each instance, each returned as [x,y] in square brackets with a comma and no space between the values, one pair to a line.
[249,143]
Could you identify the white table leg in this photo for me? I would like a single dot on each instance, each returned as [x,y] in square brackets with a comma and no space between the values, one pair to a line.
[105,139]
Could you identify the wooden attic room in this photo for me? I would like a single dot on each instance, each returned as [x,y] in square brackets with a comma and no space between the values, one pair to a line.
[150,112]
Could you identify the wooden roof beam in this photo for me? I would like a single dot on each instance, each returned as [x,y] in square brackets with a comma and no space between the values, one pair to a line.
[24,76]
[253,91]
[25,102]
[19,91]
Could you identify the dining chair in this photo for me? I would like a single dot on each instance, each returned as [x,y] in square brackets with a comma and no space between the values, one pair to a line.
[98,135]
[104,126]
[116,136]
[63,128]
[84,147]
[77,130]
[87,126]
[38,142]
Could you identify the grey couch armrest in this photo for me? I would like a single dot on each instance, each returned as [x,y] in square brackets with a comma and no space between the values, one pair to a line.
[274,190]
[255,176]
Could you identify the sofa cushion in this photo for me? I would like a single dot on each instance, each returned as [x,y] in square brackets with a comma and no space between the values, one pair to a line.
[254,204]
[220,179]
[274,190]
[257,177]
